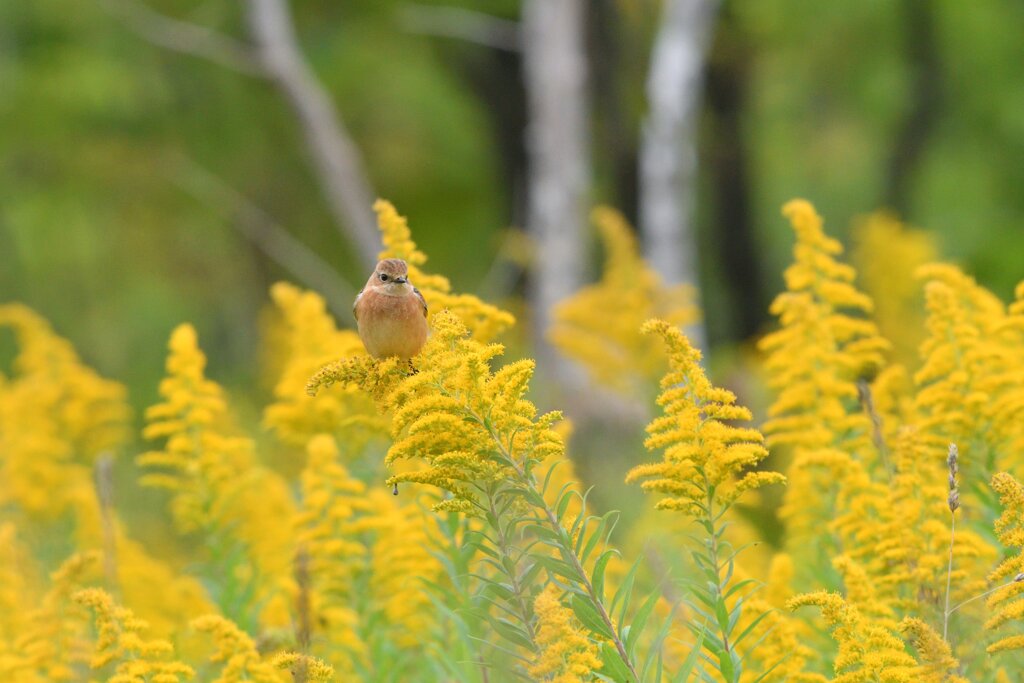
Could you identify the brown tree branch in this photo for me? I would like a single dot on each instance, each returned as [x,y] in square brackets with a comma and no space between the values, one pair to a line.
[181,36]
[304,264]
[335,157]
[275,55]
[463,24]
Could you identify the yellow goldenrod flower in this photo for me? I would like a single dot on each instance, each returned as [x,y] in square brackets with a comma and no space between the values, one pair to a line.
[814,361]
[454,413]
[1007,601]
[938,663]
[611,347]
[868,651]
[484,321]
[237,652]
[304,667]
[119,641]
[704,454]
[310,340]
[218,488]
[963,363]
[332,523]
[51,642]
[56,417]
[401,569]
[566,654]
[900,532]
[782,652]
[887,253]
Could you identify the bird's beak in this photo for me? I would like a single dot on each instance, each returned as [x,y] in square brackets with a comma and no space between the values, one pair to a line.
[401,280]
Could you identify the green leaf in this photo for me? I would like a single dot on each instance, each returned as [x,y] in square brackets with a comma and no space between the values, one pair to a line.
[557,567]
[512,633]
[588,615]
[625,588]
[686,669]
[613,666]
[722,617]
[750,627]
[597,577]
[636,627]
[564,498]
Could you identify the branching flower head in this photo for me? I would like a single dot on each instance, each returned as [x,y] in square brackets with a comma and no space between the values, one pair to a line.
[566,654]
[237,653]
[484,321]
[868,651]
[611,347]
[1008,600]
[308,339]
[938,665]
[705,456]
[825,343]
[56,416]
[466,423]
[119,640]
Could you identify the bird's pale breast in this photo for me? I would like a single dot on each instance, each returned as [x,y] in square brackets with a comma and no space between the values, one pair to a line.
[391,325]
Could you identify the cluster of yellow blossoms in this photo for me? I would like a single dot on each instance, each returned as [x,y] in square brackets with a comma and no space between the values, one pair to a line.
[421,522]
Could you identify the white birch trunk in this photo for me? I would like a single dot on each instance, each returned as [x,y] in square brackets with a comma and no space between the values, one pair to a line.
[668,155]
[555,73]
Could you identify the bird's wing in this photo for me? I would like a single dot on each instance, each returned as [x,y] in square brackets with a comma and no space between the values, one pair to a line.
[422,300]
[355,304]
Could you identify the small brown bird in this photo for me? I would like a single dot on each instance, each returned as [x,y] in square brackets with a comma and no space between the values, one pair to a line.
[390,313]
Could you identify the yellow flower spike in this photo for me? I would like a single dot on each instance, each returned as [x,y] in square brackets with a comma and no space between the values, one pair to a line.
[310,339]
[566,654]
[783,652]
[453,412]
[219,489]
[612,348]
[703,454]
[119,640]
[484,321]
[237,652]
[1007,601]
[56,416]
[886,256]
[335,514]
[814,362]
[938,663]
[52,638]
[969,389]
[401,567]
[304,667]
[868,650]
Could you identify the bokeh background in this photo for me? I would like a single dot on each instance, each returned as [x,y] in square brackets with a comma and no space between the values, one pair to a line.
[145,160]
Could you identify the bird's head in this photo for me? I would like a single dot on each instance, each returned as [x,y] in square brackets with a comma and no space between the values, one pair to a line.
[391,276]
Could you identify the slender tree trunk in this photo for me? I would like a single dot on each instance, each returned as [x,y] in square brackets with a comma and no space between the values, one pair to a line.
[925,101]
[554,70]
[336,160]
[668,155]
[727,154]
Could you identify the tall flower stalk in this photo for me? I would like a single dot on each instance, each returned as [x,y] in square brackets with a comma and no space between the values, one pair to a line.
[473,435]
[702,475]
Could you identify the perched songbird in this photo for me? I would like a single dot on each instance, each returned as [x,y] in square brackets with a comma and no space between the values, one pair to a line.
[391,314]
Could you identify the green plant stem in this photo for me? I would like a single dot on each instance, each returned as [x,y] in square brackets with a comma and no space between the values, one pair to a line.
[949,574]
[990,591]
[712,531]
[504,546]
[570,552]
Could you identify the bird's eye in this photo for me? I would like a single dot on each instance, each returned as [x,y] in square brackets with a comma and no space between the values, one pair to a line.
[383,277]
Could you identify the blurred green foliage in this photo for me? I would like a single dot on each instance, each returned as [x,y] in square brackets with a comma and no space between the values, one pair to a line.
[94,121]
